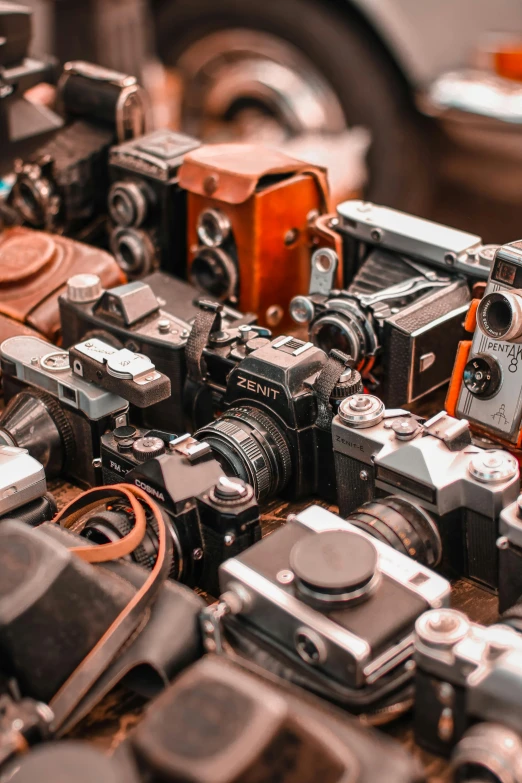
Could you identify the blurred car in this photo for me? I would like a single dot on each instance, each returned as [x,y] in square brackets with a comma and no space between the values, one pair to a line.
[277,69]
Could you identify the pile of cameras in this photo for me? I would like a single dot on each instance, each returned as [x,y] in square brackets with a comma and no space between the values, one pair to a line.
[174,383]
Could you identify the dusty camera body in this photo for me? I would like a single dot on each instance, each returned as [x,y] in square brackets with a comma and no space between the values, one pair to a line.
[23,487]
[153,317]
[146,204]
[435,467]
[62,186]
[128,447]
[210,517]
[399,320]
[467,674]
[58,417]
[275,429]
[340,606]
[486,382]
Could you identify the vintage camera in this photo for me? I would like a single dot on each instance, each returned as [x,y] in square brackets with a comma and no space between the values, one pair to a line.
[337,605]
[486,381]
[275,429]
[146,204]
[249,213]
[400,321]
[128,447]
[365,227]
[34,268]
[152,316]
[53,413]
[23,124]
[62,186]
[509,546]
[210,517]
[435,469]
[466,675]
[23,488]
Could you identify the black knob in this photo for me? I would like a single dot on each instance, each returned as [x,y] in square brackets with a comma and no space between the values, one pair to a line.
[349,383]
[482,376]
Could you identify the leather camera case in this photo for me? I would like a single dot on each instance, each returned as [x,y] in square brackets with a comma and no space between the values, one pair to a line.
[270,201]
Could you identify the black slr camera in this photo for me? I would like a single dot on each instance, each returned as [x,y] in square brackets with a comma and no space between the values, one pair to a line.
[411,480]
[335,608]
[278,404]
[211,517]
[407,290]
[53,413]
[146,204]
[62,186]
[152,316]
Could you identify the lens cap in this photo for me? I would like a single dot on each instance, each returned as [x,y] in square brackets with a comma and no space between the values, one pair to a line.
[334,566]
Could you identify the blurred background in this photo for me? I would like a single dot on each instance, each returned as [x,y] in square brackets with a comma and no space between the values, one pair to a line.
[416,104]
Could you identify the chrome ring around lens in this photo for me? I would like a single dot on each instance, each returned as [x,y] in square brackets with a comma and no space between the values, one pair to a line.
[127,204]
[499,315]
[334,330]
[134,251]
[214,272]
[32,197]
[213,227]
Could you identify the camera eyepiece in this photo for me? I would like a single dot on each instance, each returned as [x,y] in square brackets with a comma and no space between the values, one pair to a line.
[499,315]
[250,445]
[134,251]
[403,525]
[128,203]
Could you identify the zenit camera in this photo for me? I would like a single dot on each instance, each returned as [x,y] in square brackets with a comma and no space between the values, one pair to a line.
[275,429]
[147,207]
[486,382]
[437,473]
[249,215]
[62,186]
[337,605]
[23,488]
[468,691]
[210,517]
[53,413]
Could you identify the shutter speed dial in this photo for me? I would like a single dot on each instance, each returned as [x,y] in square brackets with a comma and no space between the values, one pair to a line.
[482,376]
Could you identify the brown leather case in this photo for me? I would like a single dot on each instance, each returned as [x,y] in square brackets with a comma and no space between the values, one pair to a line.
[270,200]
[34,269]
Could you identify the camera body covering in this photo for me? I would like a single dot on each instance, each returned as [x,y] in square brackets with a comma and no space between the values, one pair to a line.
[509,547]
[339,605]
[52,412]
[249,238]
[434,465]
[463,671]
[146,204]
[487,378]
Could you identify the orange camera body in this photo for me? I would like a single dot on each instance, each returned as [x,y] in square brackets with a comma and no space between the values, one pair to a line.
[250,212]
[34,269]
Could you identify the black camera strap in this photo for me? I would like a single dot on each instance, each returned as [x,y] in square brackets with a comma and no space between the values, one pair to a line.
[207,320]
[329,376]
[129,620]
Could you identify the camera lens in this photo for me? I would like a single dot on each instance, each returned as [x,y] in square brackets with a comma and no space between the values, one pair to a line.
[214,272]
[213,227]
[127,203]
[250,445]
[499,315]
[30,197]
[403,525]
[134,251]
[35,421]
[346,329]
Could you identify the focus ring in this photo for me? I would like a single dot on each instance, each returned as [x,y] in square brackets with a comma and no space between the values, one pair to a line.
[61,421]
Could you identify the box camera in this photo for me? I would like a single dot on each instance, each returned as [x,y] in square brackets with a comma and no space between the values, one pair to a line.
[23,488]
[58,417]
[275,429]
[210,517]
[249,212]
[399,320]
[146,204]
[62,186]
[152,316]
[435,469]
[486,382]
[467,674]
[338,605]
[34,268]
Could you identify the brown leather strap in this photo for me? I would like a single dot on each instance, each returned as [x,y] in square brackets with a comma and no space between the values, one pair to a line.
[107,648]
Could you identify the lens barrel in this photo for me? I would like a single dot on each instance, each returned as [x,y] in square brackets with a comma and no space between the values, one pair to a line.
[249,444]
[344,326]
[499,315]
[403,525]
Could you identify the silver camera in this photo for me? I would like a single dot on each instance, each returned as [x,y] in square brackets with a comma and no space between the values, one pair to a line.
[22,479]
[468,674]
[436,471]
[337,605]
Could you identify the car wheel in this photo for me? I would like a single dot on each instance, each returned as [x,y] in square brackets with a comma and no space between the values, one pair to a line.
[275,70]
